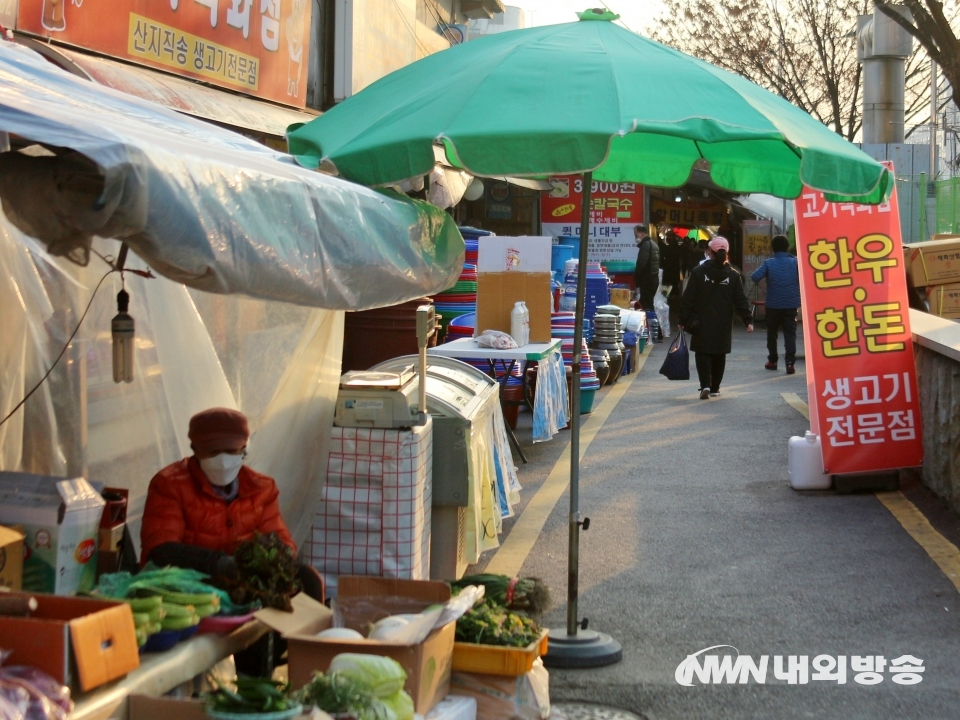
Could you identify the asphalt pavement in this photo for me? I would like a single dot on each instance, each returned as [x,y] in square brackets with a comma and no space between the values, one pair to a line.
[697,540]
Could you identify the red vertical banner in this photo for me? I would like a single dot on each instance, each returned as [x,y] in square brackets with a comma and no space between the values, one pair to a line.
[861,374]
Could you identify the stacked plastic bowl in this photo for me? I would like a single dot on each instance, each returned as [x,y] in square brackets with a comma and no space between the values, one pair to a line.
[459,300]
[562,326]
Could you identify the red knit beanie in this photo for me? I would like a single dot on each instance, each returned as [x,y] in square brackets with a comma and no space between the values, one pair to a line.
[218,429]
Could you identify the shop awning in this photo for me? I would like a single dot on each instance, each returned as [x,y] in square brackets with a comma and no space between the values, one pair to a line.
[184,96]
[205,206]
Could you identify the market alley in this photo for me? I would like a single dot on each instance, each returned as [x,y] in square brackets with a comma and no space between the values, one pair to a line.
[697,540]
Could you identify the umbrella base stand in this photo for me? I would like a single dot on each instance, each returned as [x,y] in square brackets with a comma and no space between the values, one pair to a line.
[586,649]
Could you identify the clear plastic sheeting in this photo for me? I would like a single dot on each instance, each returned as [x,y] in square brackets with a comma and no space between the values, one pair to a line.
[550,401]
[205,206]
[279,363]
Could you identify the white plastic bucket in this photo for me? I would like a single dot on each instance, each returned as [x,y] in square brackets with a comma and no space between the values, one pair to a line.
[805,463]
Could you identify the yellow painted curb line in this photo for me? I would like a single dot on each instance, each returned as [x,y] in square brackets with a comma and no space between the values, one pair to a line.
[943,552]
[510,556]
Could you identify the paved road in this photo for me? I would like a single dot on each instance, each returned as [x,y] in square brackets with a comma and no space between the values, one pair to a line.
[697,540]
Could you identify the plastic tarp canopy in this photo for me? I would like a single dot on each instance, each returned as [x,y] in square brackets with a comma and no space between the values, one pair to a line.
[204,206]
[279,363]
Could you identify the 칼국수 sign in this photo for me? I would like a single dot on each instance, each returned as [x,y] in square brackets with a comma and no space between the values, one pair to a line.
[861,375]
[258,47]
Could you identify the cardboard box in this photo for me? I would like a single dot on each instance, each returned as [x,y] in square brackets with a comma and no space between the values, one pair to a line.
[80,642]
[141,707]
[513,269]
[11,558]
[620,297]
[60,518]
[933,263]
[944,300]
[428,665]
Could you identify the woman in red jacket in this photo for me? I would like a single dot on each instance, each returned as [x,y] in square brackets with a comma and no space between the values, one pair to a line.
[201,508]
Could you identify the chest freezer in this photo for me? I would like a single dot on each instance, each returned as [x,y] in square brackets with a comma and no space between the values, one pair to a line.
[460,400]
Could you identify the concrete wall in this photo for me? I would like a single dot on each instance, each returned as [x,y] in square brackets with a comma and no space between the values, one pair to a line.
[938,377]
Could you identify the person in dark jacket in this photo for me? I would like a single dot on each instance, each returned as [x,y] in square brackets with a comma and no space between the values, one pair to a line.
[713,295]
[646,275]
[670,259]
[783,299]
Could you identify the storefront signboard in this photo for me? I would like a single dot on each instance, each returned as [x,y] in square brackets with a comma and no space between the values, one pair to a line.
[614,209]
[689,212]
[258,47]
[861,375]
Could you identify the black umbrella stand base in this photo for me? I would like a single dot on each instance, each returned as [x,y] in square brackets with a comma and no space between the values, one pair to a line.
[586,649]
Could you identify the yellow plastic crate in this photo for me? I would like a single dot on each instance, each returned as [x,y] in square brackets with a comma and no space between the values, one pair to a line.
[498,660]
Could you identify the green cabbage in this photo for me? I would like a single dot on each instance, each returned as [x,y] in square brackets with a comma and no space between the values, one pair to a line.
[384,676]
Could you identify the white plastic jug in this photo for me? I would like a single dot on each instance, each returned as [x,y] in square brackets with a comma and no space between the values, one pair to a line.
[526,323]
[516,324]
[805,463]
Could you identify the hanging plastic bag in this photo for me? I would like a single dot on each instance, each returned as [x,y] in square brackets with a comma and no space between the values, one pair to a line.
[663,311]
[676,366]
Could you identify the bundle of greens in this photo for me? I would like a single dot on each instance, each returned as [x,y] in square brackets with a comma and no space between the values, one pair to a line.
[266,572]
[488,623]
[527,594]
[252,696]
[367,687]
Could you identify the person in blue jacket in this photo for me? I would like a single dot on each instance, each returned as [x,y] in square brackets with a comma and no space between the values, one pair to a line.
[783,299]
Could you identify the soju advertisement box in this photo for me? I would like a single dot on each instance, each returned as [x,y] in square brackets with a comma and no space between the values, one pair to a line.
[511,270]
[80,642]
[944,300]
[11,558]
[60,520]
[933,263]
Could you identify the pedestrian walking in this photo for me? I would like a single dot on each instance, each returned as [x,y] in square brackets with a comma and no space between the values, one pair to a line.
[646,274]
[713,295]
[783,299]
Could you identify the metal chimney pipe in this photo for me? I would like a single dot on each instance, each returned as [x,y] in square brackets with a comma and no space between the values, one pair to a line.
[882,49]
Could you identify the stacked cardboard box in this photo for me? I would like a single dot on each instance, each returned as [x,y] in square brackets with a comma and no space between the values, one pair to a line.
[935,265]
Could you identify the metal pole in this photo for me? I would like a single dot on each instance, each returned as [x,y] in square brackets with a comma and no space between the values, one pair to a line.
[933,120]
[573,554]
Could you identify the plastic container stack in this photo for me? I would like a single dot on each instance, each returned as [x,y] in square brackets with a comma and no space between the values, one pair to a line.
[562,327]
[597,292]
[461,299]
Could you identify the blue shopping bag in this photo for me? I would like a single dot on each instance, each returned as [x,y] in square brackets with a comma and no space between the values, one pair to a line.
[676,366]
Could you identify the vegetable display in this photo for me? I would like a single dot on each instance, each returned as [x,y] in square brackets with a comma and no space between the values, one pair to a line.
[490,624]
[266,572]
[368,687]
[252,696]
[530,595]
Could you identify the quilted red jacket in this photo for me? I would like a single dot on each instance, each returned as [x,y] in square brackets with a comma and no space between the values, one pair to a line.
[183,508]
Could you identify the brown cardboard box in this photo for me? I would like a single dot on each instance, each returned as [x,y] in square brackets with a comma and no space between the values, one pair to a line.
[141,707]
[933,263]
[11,558]
[80,642]
[620,297]
[944,300]
[497,293]
[510,270]
[428,665]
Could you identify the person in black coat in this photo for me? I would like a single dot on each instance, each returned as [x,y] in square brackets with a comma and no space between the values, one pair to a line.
[646,274]
[713,294]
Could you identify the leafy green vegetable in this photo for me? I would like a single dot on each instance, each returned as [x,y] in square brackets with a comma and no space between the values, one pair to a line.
[530,594]
[253,695]
[336,693]
[267,572]
[490,624]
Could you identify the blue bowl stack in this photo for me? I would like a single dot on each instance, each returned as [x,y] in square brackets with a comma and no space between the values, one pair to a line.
[562,326]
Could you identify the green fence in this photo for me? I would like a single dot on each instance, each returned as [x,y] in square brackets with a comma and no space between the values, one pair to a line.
[948,206]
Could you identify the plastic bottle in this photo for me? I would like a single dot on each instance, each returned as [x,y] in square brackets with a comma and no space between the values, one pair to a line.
[526,322]
[516,323]
[805,463]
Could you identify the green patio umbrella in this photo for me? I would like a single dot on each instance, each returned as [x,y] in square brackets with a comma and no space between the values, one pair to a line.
[587,97]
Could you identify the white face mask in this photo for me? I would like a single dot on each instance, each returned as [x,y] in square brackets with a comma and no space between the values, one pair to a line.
[222,469]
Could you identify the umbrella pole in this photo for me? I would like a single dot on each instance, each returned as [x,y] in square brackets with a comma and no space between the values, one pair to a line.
[569,647]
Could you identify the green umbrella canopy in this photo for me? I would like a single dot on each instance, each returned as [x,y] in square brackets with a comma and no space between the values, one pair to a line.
[583,96]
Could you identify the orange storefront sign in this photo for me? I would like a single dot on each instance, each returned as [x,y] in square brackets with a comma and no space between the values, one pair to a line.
[258,47]
[861,375]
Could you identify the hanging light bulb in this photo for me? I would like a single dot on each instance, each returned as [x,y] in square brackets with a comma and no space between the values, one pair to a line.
[123,340]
